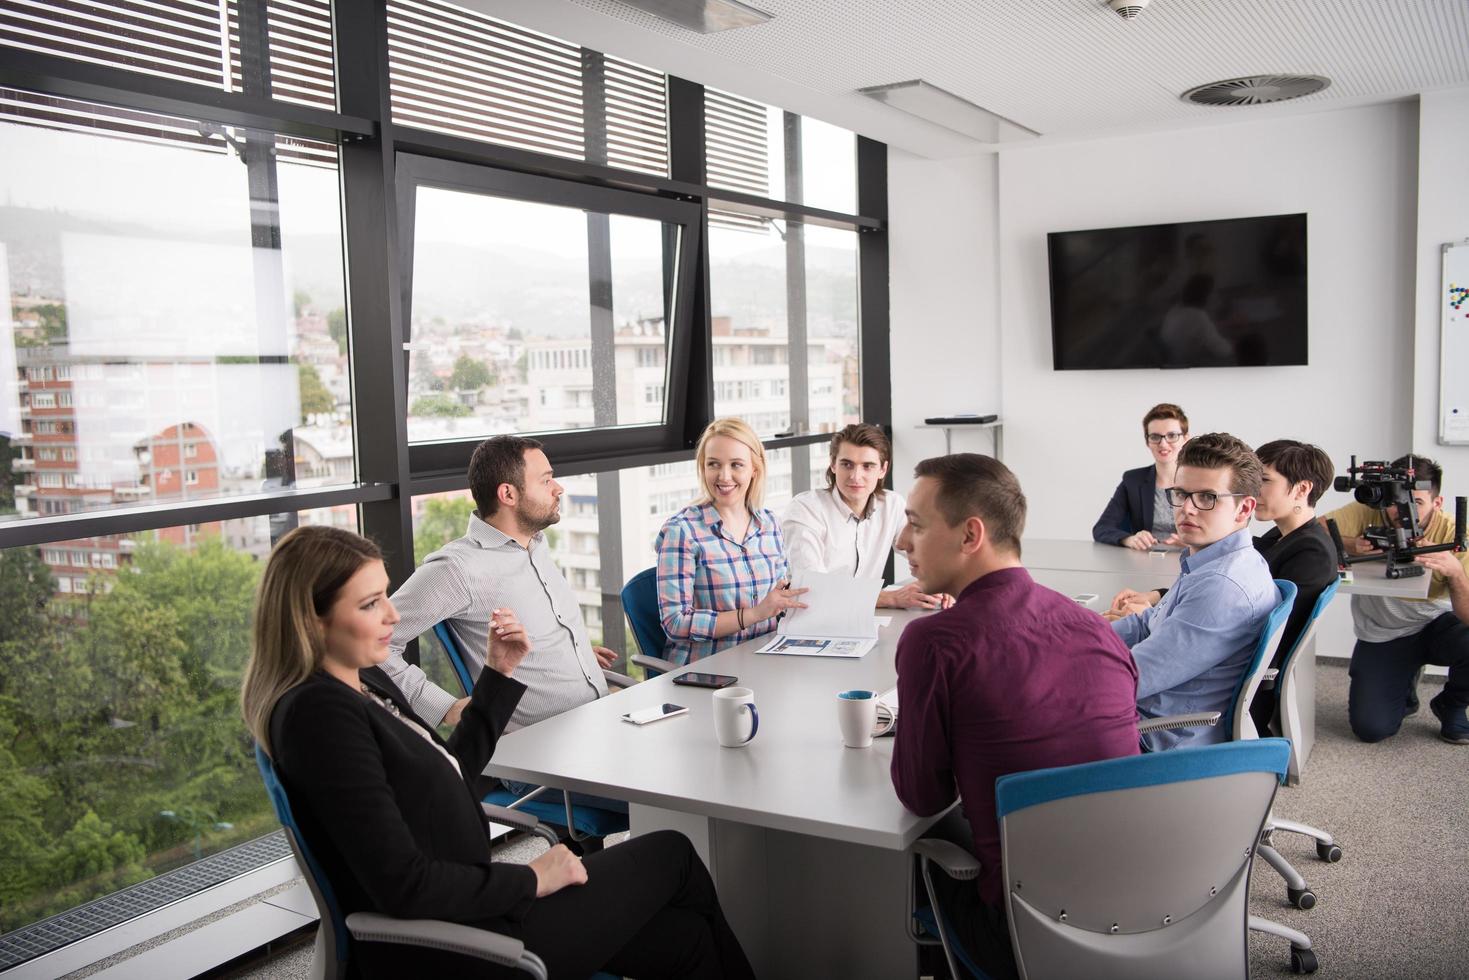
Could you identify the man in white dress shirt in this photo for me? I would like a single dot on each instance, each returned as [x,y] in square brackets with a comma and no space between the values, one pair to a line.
[849,526]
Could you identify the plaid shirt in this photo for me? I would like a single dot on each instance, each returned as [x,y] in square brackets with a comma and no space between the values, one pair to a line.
[702,573]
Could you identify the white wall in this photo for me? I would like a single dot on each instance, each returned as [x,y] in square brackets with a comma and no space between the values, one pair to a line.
[1069,435]
[944,301]
[1443,216]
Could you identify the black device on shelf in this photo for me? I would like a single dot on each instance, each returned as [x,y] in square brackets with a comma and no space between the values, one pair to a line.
[1382,485]
[962,419]
[1193,294]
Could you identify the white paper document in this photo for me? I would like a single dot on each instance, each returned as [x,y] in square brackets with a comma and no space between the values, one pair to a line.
[837,620]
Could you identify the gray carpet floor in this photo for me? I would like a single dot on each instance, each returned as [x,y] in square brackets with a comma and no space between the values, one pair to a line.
[1393,907]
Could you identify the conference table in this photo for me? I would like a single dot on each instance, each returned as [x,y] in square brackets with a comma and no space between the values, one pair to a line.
[805,838]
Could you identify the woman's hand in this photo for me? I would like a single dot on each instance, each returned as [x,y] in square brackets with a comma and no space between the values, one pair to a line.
[509,643]
[777,601]
[556,869]
[1141,541]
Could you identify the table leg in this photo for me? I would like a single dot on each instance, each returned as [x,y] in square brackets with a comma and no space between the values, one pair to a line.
[804,906]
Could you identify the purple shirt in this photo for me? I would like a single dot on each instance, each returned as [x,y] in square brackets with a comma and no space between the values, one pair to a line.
[1014,677]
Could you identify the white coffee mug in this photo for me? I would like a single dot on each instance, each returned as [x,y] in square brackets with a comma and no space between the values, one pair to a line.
[857,716]
[735,719]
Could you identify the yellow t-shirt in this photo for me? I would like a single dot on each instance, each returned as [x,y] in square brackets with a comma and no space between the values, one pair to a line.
[1355,518]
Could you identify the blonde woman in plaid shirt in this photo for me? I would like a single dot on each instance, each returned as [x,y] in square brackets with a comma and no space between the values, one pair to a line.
[722,571]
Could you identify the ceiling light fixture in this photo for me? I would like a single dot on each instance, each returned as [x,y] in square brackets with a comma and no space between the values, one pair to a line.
[935,105]
[1255,90]
[704,16]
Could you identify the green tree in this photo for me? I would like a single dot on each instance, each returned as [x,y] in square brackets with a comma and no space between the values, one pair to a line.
[300,300]
[8,455]
[439,404]
[336,325]
[315,399]
[443,520]
[53,322]
[470,375]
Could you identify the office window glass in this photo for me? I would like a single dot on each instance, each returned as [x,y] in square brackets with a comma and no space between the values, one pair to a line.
[749,305]
[188,41]
[122,752]
[761,150]
[833,340]
[532,317]
[155,302]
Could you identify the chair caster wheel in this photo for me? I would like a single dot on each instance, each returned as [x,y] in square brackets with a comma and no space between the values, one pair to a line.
[1302,961]
[1330,853]
[1301,898]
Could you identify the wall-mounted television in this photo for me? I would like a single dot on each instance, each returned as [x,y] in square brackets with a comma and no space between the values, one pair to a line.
[1195,294]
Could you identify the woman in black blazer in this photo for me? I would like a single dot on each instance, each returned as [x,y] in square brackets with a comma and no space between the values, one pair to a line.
[389,810]
[1137,516]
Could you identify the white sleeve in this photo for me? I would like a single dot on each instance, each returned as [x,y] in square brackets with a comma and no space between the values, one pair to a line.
[805,537]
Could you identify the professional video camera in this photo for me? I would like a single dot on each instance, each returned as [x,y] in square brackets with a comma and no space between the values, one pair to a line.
[1382,485]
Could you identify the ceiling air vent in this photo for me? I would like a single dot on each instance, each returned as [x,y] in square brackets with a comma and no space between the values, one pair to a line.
[1256,89]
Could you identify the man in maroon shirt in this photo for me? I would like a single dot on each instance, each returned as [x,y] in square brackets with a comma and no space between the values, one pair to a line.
[1014,677]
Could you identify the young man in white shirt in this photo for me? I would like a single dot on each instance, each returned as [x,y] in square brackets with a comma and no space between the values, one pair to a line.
[849,527]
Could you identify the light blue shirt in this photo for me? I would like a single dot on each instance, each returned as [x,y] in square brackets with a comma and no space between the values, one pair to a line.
[1192,647]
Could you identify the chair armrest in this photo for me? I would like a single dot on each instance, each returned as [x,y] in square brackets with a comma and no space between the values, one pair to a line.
[956,862]
[435,934]
[519,820]
[653,663]
[1198,720]
[616,680]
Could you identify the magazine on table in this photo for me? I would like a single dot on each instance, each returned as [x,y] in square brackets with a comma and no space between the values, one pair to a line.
[838,620]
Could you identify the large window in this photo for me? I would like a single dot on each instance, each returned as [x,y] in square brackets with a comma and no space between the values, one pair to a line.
[123,755]
[246,291]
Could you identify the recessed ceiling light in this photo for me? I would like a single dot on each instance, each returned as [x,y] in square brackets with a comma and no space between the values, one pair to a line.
[704,16]
[931,103]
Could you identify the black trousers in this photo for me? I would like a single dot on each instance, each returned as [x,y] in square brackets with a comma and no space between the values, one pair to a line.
[648,910]
[980,928]
[1383,673]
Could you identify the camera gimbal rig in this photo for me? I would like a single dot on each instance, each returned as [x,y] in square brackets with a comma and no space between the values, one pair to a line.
[1382,485]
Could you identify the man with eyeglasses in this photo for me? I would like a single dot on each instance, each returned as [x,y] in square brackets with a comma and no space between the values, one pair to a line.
[1138,515]
[1193,646]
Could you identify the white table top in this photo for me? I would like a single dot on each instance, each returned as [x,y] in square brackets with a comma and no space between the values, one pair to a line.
[1088,556]
[1370,578]
[796,775]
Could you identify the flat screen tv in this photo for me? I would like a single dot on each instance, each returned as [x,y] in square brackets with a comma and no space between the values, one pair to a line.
[1196,294]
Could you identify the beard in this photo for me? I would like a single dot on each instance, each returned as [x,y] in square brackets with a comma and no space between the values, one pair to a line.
[533,520]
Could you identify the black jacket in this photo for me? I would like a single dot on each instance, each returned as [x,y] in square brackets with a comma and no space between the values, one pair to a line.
[1131,508]
[393,827]
[1306,557]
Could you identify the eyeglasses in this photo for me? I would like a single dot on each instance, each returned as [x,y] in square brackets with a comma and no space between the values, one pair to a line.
[1203,499]
[1158,438]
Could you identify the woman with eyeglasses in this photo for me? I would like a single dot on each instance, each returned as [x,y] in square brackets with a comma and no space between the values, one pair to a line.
[1139,516]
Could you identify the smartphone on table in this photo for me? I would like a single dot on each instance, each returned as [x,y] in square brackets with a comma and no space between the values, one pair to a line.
[646,716]
[693,678]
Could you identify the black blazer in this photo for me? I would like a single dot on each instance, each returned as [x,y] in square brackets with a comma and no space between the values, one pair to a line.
[393,827]
[1131,508]
[1306,557]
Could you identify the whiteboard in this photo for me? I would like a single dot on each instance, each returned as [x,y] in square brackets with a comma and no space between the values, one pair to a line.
[1453,362]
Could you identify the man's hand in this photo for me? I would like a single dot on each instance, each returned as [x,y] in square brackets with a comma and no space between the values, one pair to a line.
[509,643]
[1444,563]
[910,596]
[1129,601]
[605,657]
[455,712]
[1359,546]
[1141,541]
[556,869]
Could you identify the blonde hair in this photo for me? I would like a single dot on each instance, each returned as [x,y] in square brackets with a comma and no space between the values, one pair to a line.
[306,570]
[735,429]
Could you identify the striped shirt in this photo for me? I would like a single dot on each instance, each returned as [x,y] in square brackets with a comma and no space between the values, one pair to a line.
[463,582]
[702,573]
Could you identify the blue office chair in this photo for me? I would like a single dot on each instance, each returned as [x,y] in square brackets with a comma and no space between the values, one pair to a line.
[335,934]
[1283,683]
[1129,868]
[582,822]
[640,604]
